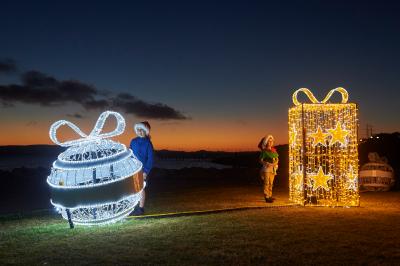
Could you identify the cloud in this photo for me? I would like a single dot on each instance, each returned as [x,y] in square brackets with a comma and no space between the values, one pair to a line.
[132,105]
[7,66]
[76,115]
[96,104]
[38,88]
[42,89]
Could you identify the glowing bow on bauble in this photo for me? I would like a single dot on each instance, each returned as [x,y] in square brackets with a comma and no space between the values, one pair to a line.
[311,97]
[94,135]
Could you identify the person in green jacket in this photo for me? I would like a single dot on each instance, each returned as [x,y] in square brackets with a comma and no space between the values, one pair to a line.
[269,160]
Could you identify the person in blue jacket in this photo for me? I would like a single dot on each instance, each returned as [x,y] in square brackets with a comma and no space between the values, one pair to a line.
[143,150]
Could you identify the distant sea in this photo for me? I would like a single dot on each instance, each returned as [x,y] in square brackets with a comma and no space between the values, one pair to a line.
[30,161]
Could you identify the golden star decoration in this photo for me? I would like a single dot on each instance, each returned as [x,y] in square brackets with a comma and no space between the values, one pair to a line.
[320,179]
[319,137]
[338,134]
[352,178]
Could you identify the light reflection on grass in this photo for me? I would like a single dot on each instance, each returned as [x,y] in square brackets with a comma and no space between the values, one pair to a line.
[368,234]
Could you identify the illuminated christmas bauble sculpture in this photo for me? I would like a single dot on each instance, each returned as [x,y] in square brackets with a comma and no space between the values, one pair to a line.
[96,180]
[323,155]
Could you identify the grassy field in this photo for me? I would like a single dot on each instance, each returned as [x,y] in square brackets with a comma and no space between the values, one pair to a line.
[369,234]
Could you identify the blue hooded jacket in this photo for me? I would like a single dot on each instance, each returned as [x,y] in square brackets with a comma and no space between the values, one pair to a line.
[143,150]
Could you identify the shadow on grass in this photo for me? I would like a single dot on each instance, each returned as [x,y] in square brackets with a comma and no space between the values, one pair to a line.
[204,212]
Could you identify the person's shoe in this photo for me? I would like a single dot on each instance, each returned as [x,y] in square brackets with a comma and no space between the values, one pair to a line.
[268,200]
[138,211]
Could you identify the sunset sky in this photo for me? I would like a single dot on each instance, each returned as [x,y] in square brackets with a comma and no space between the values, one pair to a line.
[206,75]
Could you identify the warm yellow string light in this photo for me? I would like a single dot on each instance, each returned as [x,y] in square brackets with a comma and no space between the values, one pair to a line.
[343,92]
[311,97]
[292,134]
[297,180]
[323,144]
[352,178]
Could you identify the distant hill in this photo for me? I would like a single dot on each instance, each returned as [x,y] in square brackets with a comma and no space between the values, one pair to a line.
[384,144]
[26,188]
[387,145]
[33,156]
[30,150]
[44,150]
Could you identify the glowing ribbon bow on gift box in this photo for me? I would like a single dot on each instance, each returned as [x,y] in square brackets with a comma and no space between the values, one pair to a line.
[311,97]
[94,135]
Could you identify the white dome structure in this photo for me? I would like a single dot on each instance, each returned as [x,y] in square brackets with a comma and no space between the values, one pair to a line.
[376,175]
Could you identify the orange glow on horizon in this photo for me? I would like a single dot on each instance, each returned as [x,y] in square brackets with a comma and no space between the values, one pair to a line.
[182,136]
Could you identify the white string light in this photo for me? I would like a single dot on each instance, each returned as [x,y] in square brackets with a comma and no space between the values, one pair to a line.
[94,162]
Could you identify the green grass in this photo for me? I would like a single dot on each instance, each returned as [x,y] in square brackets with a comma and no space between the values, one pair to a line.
[369,234]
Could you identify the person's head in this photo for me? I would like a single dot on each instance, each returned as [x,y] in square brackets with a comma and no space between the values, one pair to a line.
[269,143]
[266,142]
[142,129]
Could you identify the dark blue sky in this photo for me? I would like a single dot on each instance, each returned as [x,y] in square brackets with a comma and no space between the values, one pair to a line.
[226,62]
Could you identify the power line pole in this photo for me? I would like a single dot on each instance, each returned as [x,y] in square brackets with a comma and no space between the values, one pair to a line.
[368,130]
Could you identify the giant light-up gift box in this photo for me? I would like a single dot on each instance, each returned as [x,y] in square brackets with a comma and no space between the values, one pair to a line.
[323,155]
